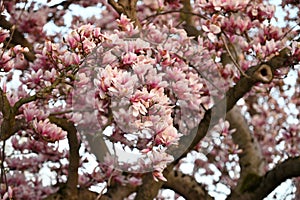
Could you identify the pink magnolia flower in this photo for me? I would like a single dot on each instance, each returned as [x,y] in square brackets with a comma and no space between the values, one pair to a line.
[158,175]
[88,46]
[97,32]
[104,80]
[129,58]
[49,131]
[8,194]
[32,112]
[33,79]
[167,136]
[126,25]
[123,85]
[225,130]
[141,102]
[70,59]
[212,31]
[140,69]
[154,80]
[235,149]
[159,160]
[6,62]
[72,39]
[50,75]
[3,34]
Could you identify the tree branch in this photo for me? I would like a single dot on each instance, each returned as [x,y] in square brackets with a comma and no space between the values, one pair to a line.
[283,171]
[149,189]
[72,180]
[116,6]
[191,190]
[98,146]
[8,123]
[187,16]
[251,159]
[118,192]
[83,193]
[127,7]
[258,73]
[115,192]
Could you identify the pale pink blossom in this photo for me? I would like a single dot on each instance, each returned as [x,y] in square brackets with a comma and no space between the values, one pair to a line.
[32,112]
[126,25]
[141,101]
[70,59]
[168,136]
[159,160]
[129,58]
[49,131]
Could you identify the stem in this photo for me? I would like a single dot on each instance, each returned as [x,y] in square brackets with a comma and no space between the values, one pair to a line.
[232,58]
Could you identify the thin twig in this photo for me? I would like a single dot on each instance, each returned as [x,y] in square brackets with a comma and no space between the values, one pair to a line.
[290,30]
[232,58]
[9,41]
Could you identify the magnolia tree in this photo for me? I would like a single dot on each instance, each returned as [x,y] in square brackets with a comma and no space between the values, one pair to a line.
[149,99]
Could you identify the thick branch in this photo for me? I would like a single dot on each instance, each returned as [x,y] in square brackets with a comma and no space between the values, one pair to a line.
[9,112]
[283,171]
[127,7]
[115,192]
[97,145]
[186,186]
[116,6]
[82,194]
[149,189]
[259,73]
[72,179]
[118,192]
[187,16]
[8,123]
[64,4]
[251,159]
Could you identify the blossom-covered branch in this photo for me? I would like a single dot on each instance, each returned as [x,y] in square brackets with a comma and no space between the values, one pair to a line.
[127,7]
[74,144]
[18,38]
[259,73]
[267,183]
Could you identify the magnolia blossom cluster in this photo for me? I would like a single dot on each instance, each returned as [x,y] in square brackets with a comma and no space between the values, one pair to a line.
[140,84]
[48,131]
[108,169]
[22,190]
[31,22]
[30,156]
[13,58]
[283,129]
